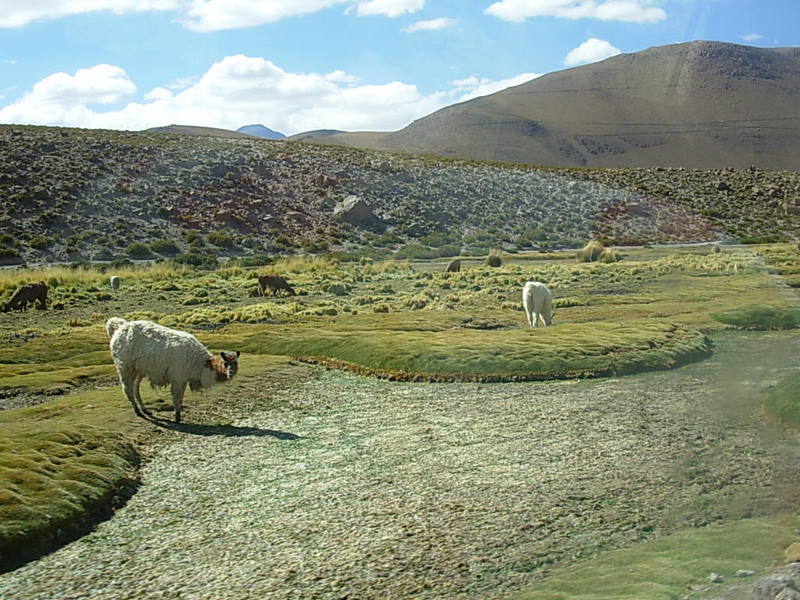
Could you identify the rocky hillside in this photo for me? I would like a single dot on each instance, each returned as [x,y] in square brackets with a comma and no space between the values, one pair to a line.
[71,194]
[695,104]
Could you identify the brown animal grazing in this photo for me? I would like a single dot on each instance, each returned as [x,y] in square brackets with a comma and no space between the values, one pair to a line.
[274,283]
[28,293]
[453,267]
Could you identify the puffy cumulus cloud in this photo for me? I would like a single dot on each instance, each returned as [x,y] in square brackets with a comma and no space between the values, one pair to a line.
[472,87]
[431,25]
[65,99]
[215,15]
[635,11]
[388,8]
[234,91]
[14,13]
[592,50]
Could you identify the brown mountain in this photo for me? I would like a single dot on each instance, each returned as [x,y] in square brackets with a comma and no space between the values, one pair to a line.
[696,104]
[195,130]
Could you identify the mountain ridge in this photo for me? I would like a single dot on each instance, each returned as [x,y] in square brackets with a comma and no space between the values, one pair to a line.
[696,104]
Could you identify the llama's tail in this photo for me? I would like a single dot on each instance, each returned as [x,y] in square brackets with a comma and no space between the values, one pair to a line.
[113,324]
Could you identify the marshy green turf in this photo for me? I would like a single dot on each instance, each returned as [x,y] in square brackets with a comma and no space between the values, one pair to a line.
[62,462]
[569,350]
[783,400]
[661,569]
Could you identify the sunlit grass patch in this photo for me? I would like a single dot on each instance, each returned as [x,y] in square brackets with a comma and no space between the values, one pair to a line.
[760,317]
[783,400]
[662,569]
[571,350]
[61,466]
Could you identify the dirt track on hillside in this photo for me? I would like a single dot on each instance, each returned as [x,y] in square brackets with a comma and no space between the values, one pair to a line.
[357,488]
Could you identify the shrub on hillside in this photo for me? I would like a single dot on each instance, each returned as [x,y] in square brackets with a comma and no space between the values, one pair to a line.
[138,250]
[167,247]
[257,260]
[221,239]
[196,260]
[8,254]
[40,242]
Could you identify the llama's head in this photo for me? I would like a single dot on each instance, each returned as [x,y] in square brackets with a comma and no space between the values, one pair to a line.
[224,366]
[231,362]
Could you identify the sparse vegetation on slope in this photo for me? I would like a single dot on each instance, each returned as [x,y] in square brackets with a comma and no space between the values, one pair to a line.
[72,194]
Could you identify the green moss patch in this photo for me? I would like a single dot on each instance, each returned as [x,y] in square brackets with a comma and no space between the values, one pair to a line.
[63,465]
[783,400]
[760,317]
[465,354]
[661,569]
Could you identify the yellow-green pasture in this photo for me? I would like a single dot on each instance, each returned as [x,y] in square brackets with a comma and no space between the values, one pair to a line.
[63,461]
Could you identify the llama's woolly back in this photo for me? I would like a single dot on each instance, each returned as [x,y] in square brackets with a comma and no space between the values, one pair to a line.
[161,354]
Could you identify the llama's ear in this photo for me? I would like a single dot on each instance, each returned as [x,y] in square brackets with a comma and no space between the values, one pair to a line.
[237,354]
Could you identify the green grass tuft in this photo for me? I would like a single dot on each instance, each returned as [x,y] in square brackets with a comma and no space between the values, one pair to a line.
[760,317]
[783,400]
[661,569]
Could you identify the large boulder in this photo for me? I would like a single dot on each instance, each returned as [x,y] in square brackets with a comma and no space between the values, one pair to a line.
[355,211]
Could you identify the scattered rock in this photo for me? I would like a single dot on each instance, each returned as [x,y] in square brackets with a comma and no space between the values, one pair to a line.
[781,584]
[792,553]
[715,578]
[744,573]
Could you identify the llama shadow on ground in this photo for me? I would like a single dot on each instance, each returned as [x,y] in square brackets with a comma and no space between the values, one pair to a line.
[226,430]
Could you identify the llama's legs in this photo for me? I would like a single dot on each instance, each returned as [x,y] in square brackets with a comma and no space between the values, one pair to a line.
[129,386]
[136,382]
[177,399]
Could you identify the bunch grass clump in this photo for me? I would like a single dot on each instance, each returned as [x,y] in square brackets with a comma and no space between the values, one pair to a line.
[590,252]
[783,400]
[760,317]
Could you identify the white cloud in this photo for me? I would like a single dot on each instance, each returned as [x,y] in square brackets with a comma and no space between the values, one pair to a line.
[10,61]
[432,25]
[388,8]
[215,15]
[472,87]
[199,15]
[234,91]
[752,37]
[592,50]
[14,13]
[635,11]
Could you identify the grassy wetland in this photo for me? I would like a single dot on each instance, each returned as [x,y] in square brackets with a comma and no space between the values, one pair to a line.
[450,452]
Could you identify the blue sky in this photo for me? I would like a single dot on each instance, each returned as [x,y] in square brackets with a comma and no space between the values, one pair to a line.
[298,65]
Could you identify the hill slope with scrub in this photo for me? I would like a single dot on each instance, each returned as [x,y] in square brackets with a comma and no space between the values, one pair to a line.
[72,194]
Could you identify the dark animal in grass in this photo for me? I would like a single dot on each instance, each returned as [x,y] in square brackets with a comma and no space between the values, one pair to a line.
[28,294]
[114,281]
[274,283]
[166,357]
[453,267]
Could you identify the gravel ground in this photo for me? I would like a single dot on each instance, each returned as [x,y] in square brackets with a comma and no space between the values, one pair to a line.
[435,490]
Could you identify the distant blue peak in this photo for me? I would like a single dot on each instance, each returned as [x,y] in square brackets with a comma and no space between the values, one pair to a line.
[261,131]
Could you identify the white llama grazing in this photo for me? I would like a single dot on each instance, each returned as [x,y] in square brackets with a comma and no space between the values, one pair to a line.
[115,282]
[538,303]
[166,357]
